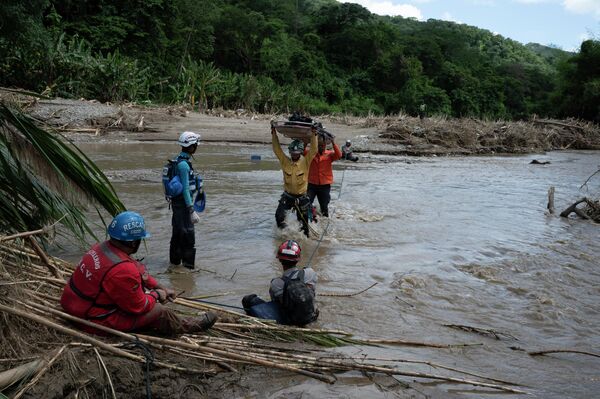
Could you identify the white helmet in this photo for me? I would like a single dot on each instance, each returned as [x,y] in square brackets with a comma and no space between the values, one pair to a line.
[348,142]
[188,138]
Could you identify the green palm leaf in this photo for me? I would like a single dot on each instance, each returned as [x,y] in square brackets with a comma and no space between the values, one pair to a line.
[44,178]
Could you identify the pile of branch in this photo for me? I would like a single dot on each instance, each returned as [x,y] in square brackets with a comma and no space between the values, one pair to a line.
[590,211]
[31,286]
[471,136]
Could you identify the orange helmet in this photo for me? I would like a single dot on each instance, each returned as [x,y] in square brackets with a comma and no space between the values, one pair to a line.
[289,250]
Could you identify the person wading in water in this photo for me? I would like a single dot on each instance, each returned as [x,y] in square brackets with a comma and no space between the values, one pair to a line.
[182,247]
[320,176]
[295,178]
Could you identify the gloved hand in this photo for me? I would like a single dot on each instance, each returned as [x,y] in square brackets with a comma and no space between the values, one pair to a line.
[194,215]
[171,295]
[162,295]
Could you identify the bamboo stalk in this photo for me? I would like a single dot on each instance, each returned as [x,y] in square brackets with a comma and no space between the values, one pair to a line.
[43,295]
[204,306]
[40,252]
[40,373]
[43,230]
[431,364]
[168,366]
[57,281]
[409,343]
[66,316]
[9,377]
[254,344]
[283,328]
[21,282]
[208,296]
[266,363]
[235,334]
[19,359]
[218,361]
[335,365]
[188,370]
[21,235]
[236,356]
[71,332]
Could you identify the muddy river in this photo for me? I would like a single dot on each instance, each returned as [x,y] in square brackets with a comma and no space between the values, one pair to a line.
[458,240]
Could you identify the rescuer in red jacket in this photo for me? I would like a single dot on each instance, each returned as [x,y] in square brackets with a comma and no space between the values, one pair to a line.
[110,288]
[320,175]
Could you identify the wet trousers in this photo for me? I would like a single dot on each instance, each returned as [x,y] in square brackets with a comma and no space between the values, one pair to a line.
[322,192]
[298,202]
[183,240]
[160,319]
[349,156]
[250,300]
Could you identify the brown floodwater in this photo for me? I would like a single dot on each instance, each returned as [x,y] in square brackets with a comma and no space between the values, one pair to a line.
[457,240]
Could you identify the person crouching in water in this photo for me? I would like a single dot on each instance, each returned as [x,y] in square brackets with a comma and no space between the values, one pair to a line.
[292,294]
[347,152]
[295,178]
[110,288]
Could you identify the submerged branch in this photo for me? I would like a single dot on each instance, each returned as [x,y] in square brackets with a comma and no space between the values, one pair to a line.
[547,351]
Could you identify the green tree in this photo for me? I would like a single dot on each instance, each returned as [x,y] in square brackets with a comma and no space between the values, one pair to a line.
[579,94]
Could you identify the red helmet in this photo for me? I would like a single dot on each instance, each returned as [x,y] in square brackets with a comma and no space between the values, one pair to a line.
[289,250]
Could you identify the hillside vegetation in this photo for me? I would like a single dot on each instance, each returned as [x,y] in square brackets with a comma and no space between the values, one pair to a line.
[319,56]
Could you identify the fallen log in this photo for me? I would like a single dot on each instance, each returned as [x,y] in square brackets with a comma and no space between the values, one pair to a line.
[546,122]
[573,209]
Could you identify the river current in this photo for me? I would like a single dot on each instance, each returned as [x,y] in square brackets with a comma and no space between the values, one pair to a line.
[449,240]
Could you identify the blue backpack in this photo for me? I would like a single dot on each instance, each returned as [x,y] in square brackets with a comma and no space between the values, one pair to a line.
[173,187]
[170,179]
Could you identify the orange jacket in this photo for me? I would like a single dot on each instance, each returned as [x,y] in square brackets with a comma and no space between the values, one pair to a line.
[321,171]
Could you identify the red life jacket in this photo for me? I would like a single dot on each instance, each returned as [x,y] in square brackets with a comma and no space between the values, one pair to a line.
[85,285]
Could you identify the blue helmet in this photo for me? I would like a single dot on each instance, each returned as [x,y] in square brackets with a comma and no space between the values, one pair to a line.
[128,226]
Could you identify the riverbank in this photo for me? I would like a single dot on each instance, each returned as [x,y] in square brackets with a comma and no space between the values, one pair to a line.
[85,120]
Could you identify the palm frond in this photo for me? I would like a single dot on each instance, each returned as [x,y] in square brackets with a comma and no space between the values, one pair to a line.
[43,178]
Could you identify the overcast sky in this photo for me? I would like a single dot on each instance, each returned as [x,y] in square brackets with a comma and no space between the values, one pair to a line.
[564,23]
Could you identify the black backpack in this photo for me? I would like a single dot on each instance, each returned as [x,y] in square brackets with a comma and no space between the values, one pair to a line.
[298,302]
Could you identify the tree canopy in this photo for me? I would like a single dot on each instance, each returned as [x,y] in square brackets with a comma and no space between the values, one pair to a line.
[319,56]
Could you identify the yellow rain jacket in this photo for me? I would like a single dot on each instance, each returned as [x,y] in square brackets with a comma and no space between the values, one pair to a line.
[295,174]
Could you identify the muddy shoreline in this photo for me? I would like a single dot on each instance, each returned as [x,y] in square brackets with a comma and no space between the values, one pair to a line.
[85,121]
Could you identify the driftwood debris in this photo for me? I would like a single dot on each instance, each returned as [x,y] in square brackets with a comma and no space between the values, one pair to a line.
[339,294]
[556,123]
[548,351]
[591,210]
[481,331]
[550,205]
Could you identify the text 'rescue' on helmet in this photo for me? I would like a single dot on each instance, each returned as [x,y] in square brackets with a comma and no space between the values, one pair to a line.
[289,250]
[296,147]
[128,226]
[188,139]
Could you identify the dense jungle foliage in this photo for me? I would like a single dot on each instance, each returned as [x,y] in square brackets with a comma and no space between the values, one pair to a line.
[320,56]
